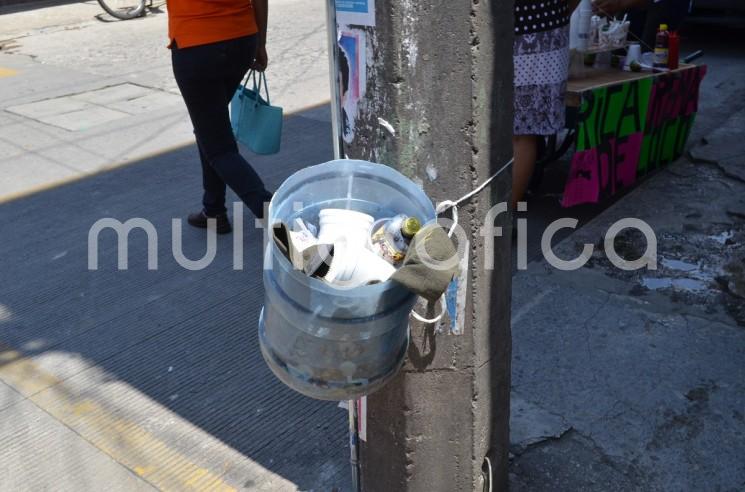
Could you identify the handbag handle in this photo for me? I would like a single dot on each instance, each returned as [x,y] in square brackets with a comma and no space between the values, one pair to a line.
[249,74]
[262,77]
[257,89]
[240,96]
[257,86]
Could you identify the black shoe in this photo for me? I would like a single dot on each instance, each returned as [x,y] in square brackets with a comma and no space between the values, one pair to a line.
[199,219]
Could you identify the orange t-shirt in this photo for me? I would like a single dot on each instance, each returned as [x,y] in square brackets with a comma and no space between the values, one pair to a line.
[195,22]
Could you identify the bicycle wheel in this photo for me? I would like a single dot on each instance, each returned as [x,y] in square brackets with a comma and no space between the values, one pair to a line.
[123,9]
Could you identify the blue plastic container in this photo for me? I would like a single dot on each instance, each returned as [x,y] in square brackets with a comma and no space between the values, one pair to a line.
[329,343]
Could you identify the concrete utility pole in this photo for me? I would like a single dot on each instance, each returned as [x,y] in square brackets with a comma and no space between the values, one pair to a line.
[439,74]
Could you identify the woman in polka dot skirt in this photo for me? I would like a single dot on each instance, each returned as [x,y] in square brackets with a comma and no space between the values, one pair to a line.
[541,62]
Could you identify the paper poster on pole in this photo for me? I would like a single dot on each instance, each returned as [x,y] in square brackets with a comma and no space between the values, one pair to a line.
[362,418]
[455,296]
[353,76]
[355,12]
[361,415]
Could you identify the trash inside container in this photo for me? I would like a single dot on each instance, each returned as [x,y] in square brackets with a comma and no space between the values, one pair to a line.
[325,342]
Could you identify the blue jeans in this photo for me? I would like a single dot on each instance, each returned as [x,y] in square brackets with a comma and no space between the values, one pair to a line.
[208,76]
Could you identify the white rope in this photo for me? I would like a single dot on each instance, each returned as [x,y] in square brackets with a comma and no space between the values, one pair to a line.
[446,205]
[421,318]
[443,207]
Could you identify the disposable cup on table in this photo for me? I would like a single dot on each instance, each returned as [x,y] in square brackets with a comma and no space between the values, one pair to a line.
[634,55]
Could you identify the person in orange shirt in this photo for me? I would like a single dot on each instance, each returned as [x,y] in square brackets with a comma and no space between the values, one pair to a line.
[213,44]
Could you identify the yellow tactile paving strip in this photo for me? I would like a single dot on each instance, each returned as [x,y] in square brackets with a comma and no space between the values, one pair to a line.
[125,441]
[7,72]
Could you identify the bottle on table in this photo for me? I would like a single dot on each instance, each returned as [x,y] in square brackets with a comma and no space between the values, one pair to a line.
[673,53]
[661,49]
[391,237]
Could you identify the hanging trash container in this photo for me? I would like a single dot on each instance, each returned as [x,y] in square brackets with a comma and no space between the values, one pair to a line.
[325,342]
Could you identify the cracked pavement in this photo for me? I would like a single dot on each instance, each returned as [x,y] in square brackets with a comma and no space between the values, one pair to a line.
[635,380]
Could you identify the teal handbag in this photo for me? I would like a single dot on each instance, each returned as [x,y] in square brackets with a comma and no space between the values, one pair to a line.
[256,123]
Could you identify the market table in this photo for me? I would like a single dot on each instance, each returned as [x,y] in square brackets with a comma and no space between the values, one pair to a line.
[623,125]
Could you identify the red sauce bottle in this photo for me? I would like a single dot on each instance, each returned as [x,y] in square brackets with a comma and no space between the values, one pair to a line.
[673,53]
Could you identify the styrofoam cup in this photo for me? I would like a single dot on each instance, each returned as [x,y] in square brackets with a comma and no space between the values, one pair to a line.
[354,266]
[634,54]
[350,226]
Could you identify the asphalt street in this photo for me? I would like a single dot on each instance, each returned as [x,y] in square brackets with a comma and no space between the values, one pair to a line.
[634,380]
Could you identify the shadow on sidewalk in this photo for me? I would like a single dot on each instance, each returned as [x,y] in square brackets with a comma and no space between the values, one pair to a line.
[185,340]
[12,6]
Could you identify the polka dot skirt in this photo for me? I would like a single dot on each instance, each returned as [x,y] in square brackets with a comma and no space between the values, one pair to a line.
[540,15]
[541,65]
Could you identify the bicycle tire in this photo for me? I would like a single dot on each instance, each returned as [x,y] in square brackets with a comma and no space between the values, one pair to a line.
[124,14]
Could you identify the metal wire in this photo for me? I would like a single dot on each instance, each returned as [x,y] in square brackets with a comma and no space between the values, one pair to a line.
[443,207]
[336,111]
[354,450]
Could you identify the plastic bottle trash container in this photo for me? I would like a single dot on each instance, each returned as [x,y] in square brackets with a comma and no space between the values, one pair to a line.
[325,342]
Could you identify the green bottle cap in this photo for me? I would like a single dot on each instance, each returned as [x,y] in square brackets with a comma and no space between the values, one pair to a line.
[410,226]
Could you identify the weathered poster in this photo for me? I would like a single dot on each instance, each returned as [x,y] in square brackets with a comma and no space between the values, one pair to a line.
[353,80]
[355,12]
[629,129]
